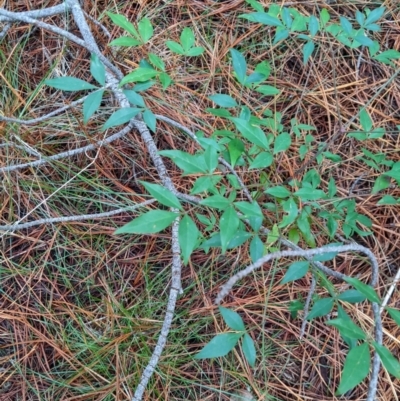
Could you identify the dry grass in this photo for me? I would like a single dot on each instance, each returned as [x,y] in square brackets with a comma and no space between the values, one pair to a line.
[81,309]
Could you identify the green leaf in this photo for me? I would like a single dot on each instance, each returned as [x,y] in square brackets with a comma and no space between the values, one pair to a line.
[360,136]
[91,104]
[267,90]
[149,223]
[325,17]
[121,116]
[377,133]
[143,86]
[249,209]
[278,192]
[281,34]
[390,363]
[232,319]
[365,289]
[381,183]
[321,308]
[190,164]
[97,69]
[188,236]
[360,18]
[223,100]
[352,296]
[175,47]
[239,239]
[122,22]
[282,143]
[310,194]
[263,68]
[351,342]
[219,112]
[216,201]
[290,207]
[69,84]
[145,29]
[347,328]
[236,148]
[156,61]
[374,15]
[139,75]
[355,369]
[239,65]
[296,270]
[299,24]
[294,235]
[150,119]
[125,41]
[195,51]
[255,78]
[388,200]
[249,350]
[346,25]
[373,28]
[313,25]
[365,120]
[228,225]
[294,307]
[220,345]
[286,17]
[165,80]
[134,98]
[253,134]
[262,18]
[187,39]
[388,54]
[256,248]
[258,7]
[364,40]
[308,49]
[262,160]
[163,195]
[205,183]
[394,314]
[211,159]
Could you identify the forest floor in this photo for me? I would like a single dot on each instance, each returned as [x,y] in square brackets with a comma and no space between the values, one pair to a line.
[81,309]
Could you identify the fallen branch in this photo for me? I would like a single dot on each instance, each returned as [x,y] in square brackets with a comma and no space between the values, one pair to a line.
[66,219]
[226,288]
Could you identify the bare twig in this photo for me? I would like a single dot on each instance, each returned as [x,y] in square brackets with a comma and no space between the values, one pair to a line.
[308,254]
[167,182]
[45,12]
[390,291]
[45,117]
[307,305]
[5,30]
[69,153]
[67,219]
[300,253]
[99,24]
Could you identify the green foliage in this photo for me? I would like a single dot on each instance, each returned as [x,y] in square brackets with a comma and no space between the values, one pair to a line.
[69,84]
[148,223]
[254,140]
[139,36]
[355,369]
[222,344]
[186,46]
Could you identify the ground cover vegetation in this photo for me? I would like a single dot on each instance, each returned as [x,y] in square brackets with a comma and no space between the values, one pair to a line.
[200,200]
